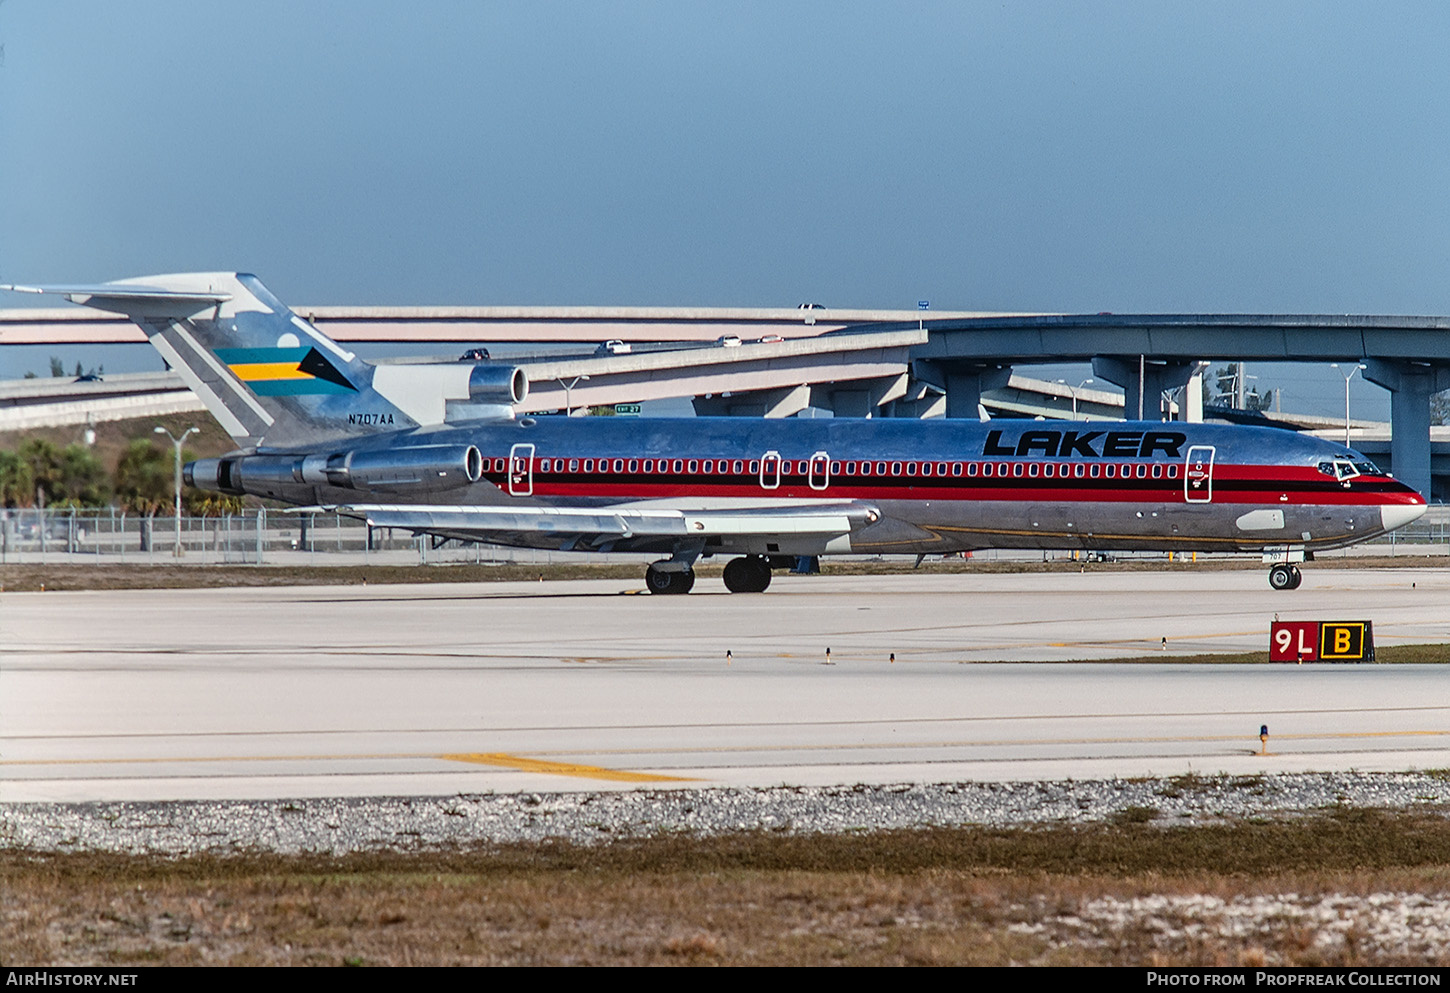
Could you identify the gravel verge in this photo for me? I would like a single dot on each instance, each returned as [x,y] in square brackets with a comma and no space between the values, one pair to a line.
[342,826]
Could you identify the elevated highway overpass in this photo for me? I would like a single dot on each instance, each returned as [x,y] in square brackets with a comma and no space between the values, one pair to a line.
[860,362]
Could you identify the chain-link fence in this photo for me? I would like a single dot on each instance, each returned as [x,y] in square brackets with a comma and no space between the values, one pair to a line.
[254,537]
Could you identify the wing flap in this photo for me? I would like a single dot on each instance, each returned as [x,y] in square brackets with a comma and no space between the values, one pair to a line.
[604,522]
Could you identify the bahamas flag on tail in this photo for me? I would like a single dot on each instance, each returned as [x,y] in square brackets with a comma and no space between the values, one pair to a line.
[278,372]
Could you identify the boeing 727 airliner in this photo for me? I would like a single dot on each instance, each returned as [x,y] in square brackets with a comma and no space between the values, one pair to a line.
[436,449]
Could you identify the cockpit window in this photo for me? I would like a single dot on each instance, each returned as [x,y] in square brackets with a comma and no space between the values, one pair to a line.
[1368,469]
[1343,469]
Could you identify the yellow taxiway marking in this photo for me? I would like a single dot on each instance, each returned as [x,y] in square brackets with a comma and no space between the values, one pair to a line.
[506,761]
[499,759]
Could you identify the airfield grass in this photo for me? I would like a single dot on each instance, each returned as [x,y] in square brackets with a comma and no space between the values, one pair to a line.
[966,896]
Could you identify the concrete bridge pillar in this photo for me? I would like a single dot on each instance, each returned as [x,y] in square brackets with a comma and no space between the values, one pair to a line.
[858,397]
[1410,385]
[1157,378]
[963,382]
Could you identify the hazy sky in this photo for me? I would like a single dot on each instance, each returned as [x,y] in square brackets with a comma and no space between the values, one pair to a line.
[1078,156]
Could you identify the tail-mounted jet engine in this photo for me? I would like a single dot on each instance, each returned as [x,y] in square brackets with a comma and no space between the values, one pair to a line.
[497,384]
[420,469]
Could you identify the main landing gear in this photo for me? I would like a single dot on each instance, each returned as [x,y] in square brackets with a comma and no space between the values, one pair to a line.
[676,581]
[1285,577]
[750,574]
[747,574]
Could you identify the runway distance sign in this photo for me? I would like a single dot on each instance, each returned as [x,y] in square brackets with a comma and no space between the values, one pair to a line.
[1321,641]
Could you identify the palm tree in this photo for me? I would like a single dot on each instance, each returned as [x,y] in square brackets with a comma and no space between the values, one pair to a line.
[81,480]
[43,458]
[17,482]
[144,483]
[17,489]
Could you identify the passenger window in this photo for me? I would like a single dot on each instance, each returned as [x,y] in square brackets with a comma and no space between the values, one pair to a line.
[956,468]
[1157,470]
[1094,470]
[1032,469]
[1017,468]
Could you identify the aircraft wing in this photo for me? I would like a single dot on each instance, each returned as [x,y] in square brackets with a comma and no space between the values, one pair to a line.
[590,527]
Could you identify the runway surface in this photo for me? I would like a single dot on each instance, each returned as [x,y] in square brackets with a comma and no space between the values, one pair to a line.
[434,690]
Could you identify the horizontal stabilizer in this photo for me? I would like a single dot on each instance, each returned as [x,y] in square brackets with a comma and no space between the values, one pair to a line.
[128,298]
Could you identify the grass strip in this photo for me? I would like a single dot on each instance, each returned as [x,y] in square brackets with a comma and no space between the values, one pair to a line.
[967,896]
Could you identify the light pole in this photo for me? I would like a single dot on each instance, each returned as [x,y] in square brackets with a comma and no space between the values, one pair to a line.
[567,388]
[1347,377]
[176,549]
[1072,391]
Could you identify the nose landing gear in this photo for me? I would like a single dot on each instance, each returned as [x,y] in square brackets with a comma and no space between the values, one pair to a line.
[1285,577]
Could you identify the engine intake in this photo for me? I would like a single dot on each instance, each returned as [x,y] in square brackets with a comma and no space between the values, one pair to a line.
[497,384]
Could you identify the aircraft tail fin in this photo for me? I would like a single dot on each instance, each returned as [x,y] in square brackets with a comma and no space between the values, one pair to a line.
[274,380]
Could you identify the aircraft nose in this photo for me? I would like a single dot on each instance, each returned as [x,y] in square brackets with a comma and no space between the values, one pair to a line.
[1397,515]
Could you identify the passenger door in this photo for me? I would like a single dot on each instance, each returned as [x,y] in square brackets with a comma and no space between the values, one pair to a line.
[521,470]
[1198,475]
